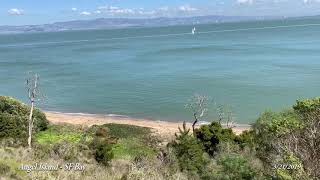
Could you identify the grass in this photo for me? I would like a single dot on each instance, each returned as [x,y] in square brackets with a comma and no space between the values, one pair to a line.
[132,141]
[127,131]
[11,167]
[132,147]
[56,134]
[11,160]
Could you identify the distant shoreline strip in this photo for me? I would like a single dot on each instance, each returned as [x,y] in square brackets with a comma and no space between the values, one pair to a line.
[117,116]
[159,35]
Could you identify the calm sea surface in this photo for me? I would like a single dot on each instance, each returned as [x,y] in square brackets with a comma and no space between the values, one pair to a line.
[152,72]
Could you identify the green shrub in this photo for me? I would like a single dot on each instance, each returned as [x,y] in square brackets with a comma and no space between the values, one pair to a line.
[246,139]
[104,154]
[132,141]
[278,124]
[307,140]
[102,145]
[270,128]
[297,172]
[307,106]
[14,119]
[12,126]
[290,132]
[235,167]
[211,135]
[189,152]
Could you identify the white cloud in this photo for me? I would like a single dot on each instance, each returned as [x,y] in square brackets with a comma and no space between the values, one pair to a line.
[187,8]
[108,8]
[85,13]
[113,10]
[166,8]
[142,12]
[15,12]
[122,11]
[245,1]
[74,9]
[311,1]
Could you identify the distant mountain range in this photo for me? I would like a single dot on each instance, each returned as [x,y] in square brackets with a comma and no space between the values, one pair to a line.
[113,23]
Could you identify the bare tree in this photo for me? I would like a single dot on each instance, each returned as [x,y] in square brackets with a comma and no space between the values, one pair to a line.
[230,118]
[221,114]
[198,105]
[32,86]
[225,115]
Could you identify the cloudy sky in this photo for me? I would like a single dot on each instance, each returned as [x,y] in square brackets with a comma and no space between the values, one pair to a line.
[17,12]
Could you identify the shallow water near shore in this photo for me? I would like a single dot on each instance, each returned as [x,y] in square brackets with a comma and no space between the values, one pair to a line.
[142,73]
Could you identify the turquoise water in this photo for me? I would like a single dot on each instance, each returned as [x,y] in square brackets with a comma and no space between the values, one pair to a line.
[147,73]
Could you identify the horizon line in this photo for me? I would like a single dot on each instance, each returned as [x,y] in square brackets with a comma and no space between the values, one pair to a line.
[160,17]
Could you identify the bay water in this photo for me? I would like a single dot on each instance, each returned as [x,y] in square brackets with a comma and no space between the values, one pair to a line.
[152,72]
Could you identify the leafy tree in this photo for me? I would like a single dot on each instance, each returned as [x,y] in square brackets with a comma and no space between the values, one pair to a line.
[14,119]
[189,152]
[307,106]
[211,135]
[278,124]
[270,128]
[305,143]
[289,137]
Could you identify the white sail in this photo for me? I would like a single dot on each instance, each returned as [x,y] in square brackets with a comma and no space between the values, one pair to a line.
[193,30]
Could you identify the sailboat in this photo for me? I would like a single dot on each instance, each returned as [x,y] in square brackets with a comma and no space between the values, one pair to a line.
[193,30]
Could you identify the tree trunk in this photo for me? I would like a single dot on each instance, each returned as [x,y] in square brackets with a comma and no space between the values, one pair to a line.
[30,125]
[195,122]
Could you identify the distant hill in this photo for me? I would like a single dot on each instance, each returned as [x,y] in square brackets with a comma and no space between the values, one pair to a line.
[113,23]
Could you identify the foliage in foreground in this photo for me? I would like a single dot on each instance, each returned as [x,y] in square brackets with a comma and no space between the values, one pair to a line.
[189,152]
[57,134]
[132,141]
[92,150]
[235,166]
[291,138]
[231,160]
[102,146]
[211,135]
[114,151]
[14,119]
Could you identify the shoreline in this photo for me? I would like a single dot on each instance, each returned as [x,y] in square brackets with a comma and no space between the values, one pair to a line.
[165,129]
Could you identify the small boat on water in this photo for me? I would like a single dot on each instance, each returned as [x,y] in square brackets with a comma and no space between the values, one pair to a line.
[193,30]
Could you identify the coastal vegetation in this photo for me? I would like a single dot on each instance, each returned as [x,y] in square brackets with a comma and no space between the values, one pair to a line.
[14,117]
[280,145]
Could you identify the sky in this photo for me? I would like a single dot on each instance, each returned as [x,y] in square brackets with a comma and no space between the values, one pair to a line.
[27,12]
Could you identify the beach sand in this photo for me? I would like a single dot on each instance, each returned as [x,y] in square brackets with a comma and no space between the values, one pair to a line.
[164,129]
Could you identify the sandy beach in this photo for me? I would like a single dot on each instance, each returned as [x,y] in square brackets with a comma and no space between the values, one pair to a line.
[162,128]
